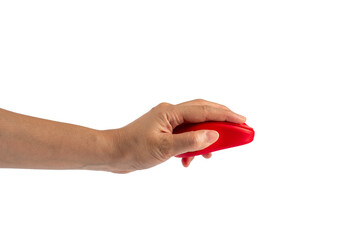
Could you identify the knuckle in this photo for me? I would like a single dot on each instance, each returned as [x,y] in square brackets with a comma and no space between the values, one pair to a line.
[161,107]
[200,100]
[164,105]
[194,140]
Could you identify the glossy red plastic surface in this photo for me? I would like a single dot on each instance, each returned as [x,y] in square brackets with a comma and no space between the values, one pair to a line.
[230,135]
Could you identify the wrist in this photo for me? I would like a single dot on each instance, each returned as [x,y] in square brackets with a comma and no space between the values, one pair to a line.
[113,151]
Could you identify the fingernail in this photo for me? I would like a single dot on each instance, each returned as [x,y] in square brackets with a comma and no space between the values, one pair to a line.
[212,136]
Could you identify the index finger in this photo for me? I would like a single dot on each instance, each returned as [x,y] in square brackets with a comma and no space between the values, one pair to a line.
[204,102]
[203,113]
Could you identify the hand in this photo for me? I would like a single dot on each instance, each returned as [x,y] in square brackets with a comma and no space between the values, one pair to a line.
[149,141]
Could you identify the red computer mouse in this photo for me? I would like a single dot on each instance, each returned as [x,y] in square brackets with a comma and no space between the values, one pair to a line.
[230,135]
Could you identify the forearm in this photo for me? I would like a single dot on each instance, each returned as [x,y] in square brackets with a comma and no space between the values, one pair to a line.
[28,142]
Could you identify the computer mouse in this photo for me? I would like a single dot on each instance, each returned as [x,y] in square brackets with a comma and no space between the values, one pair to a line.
[230,135]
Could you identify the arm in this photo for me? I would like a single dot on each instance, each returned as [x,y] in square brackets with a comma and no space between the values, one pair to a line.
[28,142]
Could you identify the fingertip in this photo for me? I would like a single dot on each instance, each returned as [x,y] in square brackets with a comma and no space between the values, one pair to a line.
[208,155]
[235,117]
[186,161]
[241,118]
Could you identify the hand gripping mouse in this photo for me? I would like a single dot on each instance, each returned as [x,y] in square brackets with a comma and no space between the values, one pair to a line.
[230,135]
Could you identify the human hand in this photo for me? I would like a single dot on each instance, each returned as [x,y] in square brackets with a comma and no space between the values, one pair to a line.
[149,140]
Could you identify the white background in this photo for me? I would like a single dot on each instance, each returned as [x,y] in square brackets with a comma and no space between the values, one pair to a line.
[291,67]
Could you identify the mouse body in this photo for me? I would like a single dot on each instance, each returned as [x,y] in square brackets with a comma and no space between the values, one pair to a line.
[230,135]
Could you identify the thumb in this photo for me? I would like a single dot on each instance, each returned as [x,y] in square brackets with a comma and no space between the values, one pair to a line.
[193,141]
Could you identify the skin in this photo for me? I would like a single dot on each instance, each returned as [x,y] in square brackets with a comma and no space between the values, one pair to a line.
[34,143]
